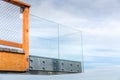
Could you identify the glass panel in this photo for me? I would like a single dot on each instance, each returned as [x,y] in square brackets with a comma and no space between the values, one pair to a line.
[70,43]
[43,38]
[49,39]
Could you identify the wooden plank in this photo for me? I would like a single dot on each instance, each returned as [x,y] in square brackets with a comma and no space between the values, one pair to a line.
[12,44]
[12,62]
[18,3]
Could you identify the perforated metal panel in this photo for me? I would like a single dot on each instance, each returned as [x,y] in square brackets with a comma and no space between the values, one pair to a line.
[54,65]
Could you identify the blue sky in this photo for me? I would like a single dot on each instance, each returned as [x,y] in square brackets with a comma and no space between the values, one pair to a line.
[99,21]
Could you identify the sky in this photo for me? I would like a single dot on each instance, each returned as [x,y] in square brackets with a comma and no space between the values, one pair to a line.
[99,22]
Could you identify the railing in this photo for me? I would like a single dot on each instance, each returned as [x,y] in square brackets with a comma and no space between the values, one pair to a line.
[47,38]
[14,35]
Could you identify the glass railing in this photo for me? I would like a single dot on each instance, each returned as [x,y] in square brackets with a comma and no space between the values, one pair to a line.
[49,39]
[43,38]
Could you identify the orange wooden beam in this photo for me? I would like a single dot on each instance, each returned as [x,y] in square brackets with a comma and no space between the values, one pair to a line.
[18,3]
[8,43]
[26,30]
[25,38]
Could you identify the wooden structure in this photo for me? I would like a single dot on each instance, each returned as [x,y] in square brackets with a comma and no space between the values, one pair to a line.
[10,61]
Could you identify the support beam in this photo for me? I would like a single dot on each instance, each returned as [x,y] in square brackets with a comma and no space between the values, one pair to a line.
[39,64]
[17,3]
[12,44]
[25,39]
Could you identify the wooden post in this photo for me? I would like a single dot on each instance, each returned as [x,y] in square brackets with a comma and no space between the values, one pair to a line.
[25,45]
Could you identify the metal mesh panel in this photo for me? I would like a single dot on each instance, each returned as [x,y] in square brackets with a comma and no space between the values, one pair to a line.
[10,23]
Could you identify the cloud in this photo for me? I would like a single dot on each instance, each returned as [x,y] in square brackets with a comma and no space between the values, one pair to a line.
[90,9]
[100,62]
